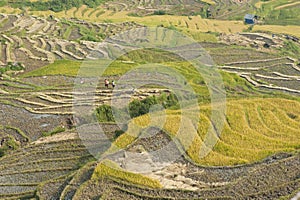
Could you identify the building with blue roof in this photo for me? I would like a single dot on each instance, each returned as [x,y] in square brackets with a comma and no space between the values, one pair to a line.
[250,19]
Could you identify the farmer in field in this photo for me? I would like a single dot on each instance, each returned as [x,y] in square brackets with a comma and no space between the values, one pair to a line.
[113,84]
[106,83]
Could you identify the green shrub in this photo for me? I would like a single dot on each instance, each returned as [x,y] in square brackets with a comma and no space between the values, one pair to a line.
[118,133]
[159,12]
[104,113]
[58,129]
[11,67]
[138,108]
[12,144]
[3,3]
[9,144]
[2,152]
[172,102]
[90,38]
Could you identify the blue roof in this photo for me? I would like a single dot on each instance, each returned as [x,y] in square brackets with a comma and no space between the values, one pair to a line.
[249,16]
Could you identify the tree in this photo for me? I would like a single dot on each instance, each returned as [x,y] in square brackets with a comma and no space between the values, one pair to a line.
[104,113]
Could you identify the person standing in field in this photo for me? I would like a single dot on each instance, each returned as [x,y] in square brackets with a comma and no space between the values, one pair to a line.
[113,84]
[106,83]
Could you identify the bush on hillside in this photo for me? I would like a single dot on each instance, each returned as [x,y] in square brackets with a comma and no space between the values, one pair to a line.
[105,113]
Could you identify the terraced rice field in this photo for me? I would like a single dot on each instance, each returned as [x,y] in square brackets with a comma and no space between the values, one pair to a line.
[287,5]
[229,9]
[285,12]
[253,137]
[228,182]
[120,11]
[38,49]
[109,188]
[256,154]
[48,165]
[278,73]
[22,171]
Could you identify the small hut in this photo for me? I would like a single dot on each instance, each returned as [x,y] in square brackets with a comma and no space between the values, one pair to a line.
[250,19]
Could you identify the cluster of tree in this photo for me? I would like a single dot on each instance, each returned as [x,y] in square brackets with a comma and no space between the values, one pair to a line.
[11,67]
[159,12]
[106,113]
[54,5]
[138,108]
